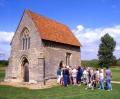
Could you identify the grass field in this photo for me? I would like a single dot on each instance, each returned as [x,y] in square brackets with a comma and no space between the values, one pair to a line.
[2,73]
[116,74]
[71,92]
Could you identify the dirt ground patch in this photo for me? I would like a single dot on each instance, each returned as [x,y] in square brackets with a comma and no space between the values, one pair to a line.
[26,85]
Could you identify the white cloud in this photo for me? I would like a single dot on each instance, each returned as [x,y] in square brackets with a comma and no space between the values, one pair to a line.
[80,28]
[117,48]
[90,39]
[6,36]
[5,39]
[2,56]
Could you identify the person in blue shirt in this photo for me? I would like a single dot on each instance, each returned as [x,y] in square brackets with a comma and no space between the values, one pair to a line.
[79,74]
[108,78]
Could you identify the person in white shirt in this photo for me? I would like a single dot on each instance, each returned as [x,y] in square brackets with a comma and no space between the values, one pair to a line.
[101,79]
[97,76]
[85,76]
[74,76]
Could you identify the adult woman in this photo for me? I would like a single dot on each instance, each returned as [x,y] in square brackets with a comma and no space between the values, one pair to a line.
[74,76]
[101,81]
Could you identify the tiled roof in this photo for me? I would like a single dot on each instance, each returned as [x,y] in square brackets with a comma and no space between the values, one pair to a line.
[52,30]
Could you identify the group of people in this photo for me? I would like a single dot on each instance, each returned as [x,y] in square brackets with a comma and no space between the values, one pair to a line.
[92,78]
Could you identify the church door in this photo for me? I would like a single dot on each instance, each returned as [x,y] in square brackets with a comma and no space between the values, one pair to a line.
[25,70]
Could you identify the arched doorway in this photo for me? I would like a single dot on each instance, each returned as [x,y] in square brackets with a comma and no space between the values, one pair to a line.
[25,69]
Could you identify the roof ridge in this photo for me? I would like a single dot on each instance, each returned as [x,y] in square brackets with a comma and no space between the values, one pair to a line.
[40,15]
[50,29]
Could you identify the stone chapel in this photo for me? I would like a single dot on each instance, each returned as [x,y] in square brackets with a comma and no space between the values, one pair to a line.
[38,46]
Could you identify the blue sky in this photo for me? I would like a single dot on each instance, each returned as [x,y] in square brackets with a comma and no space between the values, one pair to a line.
[88,19]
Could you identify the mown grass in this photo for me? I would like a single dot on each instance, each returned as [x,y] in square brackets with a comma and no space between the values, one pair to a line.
[116,73]
[71,92]
[59,92]
[2,73]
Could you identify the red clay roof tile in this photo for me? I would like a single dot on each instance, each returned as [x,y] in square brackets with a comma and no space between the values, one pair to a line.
[53,31]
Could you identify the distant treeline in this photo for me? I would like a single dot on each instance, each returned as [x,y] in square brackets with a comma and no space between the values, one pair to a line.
[90,63]
[95,63]
[118,62]
[3,63]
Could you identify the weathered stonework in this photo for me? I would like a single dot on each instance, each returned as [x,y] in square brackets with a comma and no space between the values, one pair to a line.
[57,53]
[43,60]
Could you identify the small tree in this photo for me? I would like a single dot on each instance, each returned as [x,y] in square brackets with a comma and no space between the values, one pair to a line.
[106,49]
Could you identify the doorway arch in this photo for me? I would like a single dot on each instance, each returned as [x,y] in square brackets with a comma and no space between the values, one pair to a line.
[25,69]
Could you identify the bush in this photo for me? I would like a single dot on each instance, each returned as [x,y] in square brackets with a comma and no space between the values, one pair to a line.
[3,63]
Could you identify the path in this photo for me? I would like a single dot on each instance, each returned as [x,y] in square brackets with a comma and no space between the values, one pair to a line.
[116,82]
[35,86]
[26,85]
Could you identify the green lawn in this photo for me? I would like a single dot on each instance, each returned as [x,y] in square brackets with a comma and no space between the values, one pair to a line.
[71,92]
[2,73]
[116,74]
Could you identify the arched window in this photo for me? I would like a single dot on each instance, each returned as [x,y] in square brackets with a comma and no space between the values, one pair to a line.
[23,42]
[25,39]
[28,42]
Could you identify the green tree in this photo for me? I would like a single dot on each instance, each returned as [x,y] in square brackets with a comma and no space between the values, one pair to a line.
[106,49]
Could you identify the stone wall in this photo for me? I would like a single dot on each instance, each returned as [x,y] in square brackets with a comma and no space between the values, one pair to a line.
[56,52]
[13,71]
